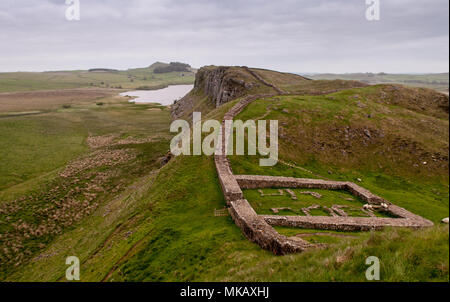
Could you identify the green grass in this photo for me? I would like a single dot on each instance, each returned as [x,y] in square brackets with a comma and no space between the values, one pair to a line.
[35,145]
[313,135]
[189,244]
[38,144]
[42,145]
[438,81]
[160,225]
[181,240]
[264,204]
[128,79]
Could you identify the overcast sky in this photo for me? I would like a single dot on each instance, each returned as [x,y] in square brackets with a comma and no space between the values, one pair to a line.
[287,35]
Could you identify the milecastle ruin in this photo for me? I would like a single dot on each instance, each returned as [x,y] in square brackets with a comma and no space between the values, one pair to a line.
[258,228]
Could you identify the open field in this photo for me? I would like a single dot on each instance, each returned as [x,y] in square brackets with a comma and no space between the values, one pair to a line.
[60,164]
[139,78]
[32,102]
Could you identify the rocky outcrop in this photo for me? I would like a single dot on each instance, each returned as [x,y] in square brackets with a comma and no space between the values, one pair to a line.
[218,85]
[221,85]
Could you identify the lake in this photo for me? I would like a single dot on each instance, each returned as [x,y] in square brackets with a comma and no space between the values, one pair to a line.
[165,96]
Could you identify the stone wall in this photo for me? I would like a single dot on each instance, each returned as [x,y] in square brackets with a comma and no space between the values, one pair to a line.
[254,227]
[259,78]
[405,218]
[258,228]
[344,223]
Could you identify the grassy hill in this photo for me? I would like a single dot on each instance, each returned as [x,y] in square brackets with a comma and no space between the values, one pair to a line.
[437,81]
[138,78]
[215,84]
[154,222]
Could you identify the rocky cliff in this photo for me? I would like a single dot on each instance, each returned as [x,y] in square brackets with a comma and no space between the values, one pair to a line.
[220,85]
[215,86]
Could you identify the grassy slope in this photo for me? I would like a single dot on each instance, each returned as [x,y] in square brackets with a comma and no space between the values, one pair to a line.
[37,144]
[313,135]
[163,228]
[180,240]
[57,139]
[188,243]
[43,144]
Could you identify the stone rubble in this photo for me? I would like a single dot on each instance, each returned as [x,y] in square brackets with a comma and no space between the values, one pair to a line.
[307,210]
[277,210]
[292,194]
[280,193]
[315,194]
[338,209]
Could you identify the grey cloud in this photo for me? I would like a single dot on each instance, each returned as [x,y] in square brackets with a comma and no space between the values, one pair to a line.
[290,35]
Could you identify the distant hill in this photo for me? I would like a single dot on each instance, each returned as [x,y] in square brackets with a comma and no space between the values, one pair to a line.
[102,70]
[171,67]
[157,75]
[436,81]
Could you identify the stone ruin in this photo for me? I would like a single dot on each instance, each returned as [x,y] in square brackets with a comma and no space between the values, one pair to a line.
[292,194]
[259,228]
[334,210]
[277,210]
[280,193]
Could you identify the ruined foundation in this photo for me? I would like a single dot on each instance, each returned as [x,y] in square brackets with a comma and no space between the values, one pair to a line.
[258,228]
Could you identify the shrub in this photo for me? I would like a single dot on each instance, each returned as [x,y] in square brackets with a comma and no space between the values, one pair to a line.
[173,66]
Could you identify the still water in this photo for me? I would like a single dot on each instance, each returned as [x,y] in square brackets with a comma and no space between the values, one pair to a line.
[165,96]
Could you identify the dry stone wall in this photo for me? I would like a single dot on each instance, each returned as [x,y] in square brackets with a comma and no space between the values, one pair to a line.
[253,226]
[344,223]
[259,78]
